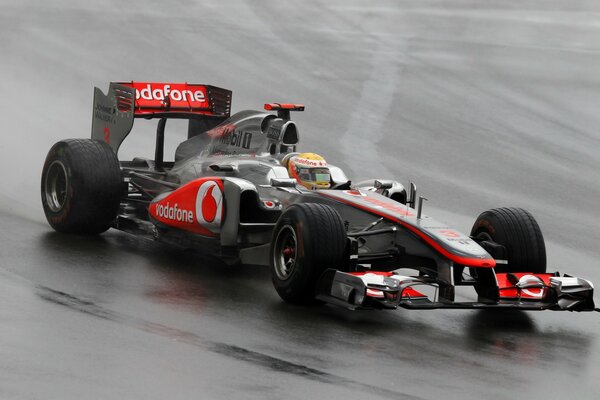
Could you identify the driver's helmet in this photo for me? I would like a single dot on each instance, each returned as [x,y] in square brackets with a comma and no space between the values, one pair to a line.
[310,170]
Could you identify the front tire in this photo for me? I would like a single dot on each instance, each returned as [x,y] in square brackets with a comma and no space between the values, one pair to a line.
[308,239]
[518,232]
[81,186]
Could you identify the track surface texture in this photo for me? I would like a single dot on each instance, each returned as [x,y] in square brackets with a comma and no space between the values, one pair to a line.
[482,104]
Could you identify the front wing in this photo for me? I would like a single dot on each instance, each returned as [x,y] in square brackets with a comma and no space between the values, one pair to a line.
[388,290]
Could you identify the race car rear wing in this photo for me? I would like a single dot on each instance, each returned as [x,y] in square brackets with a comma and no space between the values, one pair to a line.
[114,113]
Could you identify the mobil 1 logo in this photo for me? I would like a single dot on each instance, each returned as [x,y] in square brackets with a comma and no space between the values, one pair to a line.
[237,139]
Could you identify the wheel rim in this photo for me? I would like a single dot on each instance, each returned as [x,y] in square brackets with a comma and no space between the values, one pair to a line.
[56,186]
[284,256]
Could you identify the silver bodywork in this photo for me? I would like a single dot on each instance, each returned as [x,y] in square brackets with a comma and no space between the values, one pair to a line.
[229,185]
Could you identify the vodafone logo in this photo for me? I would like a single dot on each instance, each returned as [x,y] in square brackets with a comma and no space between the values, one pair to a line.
[174,213]
[310,163]
[160,92]
[195,207]
[209,204]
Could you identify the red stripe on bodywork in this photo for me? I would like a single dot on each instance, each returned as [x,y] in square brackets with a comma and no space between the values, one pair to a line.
[382,273]
[469,262]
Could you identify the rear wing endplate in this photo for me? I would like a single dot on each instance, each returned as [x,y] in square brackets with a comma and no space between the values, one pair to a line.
[113,114]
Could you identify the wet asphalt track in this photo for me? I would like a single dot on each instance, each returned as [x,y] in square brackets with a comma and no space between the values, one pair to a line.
[482,105]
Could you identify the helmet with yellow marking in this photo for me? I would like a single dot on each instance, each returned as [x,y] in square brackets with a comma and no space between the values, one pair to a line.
[310,170]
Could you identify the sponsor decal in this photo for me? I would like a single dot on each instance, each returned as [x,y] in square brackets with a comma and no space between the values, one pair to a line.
[209,204]
[160,92]
[454,238]
[107,134]
[237,139]
[196,207]
[149,95]
[268,204]
[381,204]
[221,130]
[104,113]
[461,241]
[174,213]
[449,233]
[389,206]
[355,192]
[310,163]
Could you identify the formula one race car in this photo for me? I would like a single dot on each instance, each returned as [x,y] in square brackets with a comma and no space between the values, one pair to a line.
[231,192]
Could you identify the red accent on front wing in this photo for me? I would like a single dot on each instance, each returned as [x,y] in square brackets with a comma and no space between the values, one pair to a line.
[469,262]
[508,291]
[409,292]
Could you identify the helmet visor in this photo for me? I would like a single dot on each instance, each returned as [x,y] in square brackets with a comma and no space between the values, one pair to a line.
[314,174]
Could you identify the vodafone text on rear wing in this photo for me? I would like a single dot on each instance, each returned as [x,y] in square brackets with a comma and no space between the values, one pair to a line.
[114,113]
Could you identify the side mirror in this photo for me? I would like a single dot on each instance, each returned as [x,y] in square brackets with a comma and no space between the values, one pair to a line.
[383,184]
[222,167]
[283,182]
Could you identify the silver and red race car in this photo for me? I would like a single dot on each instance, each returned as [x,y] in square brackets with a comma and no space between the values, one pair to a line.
[228,193]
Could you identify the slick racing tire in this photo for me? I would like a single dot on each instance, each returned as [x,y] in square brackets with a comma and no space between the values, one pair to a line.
[518,232]
[308,239]
[81,186]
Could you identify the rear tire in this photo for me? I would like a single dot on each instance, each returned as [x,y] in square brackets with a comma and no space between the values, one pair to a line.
[308,239]
[81,186]
[519,233]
